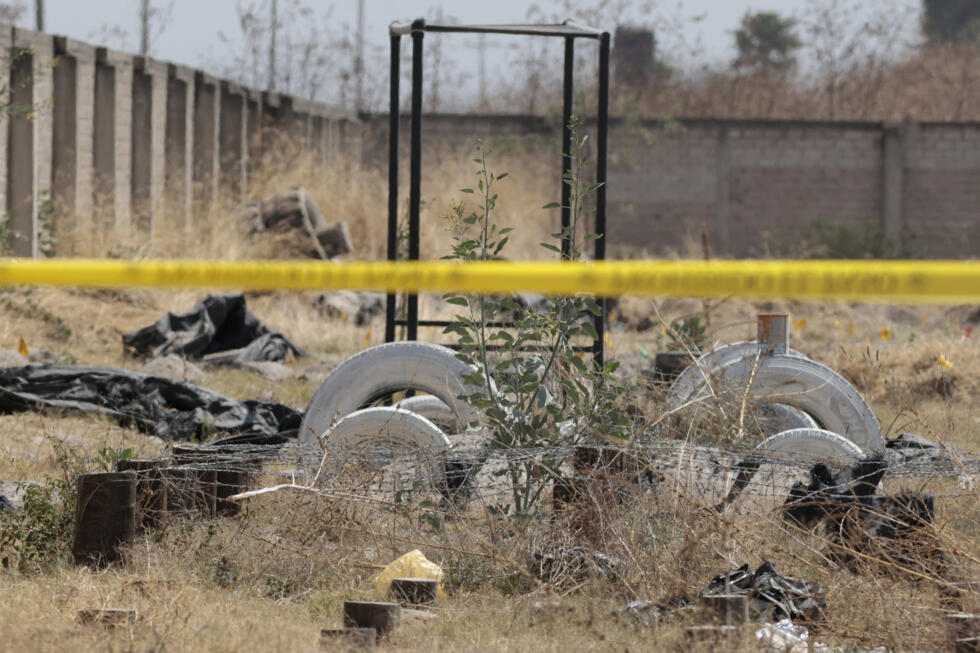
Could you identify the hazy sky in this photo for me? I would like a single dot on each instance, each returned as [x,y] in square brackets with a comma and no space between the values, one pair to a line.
[686,30]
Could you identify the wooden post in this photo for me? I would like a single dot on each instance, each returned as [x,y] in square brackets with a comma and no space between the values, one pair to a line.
[151,490]
[383,617]
[105,520]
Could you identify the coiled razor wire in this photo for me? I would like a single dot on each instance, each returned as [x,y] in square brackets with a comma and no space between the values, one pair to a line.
[487,472]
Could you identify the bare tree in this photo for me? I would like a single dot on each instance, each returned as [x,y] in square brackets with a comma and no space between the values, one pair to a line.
[273,30]
[848,40]
[39,15]
[11,12]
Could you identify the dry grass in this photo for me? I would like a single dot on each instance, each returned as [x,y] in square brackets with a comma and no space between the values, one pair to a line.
[270,579]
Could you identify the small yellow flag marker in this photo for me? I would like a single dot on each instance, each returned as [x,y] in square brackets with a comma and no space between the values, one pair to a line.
[22,347]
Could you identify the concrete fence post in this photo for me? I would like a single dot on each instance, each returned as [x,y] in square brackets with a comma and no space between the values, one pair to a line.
[6,43]
[72,138]
[232,134]
[148,135]
[29,138]
[112,148]
[206,118]
[723,181]
[253,136]
[179,142]
[892,182]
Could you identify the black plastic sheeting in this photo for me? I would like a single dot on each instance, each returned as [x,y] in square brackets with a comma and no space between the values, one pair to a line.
[219,329]
[860,524]
[161,407]
[772,596]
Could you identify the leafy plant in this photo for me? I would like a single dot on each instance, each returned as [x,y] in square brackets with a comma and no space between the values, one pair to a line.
[47,245]
[535,390]
[686,333]
[39,534]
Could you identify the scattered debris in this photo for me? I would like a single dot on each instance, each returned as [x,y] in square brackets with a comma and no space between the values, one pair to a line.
[784,636]
[408,614]
[771,595]
[220,329]
[173,367]
[159,407]
[42,356]
[646,611]
[271,370]
[354,307]
[292,226]
[11,358]
[410,565]
[574,562]
[911,446]
[895,530]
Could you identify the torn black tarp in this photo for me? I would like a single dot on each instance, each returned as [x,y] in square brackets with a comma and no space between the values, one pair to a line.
[160,407]
[895,531]
[220,329]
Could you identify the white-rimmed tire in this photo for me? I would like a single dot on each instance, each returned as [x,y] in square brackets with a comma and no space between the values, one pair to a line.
[815,445]
[800,382]
[697,373]
[378,372]
[776,418]
[373,438]
[433,409]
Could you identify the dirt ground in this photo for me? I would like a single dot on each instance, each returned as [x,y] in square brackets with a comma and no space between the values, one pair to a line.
[271,578]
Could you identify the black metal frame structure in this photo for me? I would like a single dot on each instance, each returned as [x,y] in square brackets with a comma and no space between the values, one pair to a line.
[569,31]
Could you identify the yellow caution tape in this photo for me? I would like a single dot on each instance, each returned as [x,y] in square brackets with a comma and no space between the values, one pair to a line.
[896,281]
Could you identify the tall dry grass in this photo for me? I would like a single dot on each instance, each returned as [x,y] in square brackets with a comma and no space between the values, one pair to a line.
[344,189]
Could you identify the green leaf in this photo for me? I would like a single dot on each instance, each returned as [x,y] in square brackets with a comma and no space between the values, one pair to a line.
[589,329]
[552,205]
[466,190]
[551,247]
[458,301]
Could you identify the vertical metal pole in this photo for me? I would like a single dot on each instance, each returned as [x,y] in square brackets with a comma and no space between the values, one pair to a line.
[393,117]
[566,147]
[415,170]
[602,129]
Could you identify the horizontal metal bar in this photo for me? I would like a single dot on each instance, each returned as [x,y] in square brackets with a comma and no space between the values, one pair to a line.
[567,29]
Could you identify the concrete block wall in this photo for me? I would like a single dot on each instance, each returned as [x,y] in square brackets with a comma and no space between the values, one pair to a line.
[941,192]
[753,186]
[115,140]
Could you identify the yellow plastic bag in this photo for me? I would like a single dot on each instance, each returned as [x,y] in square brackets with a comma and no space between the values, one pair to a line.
[411,565]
